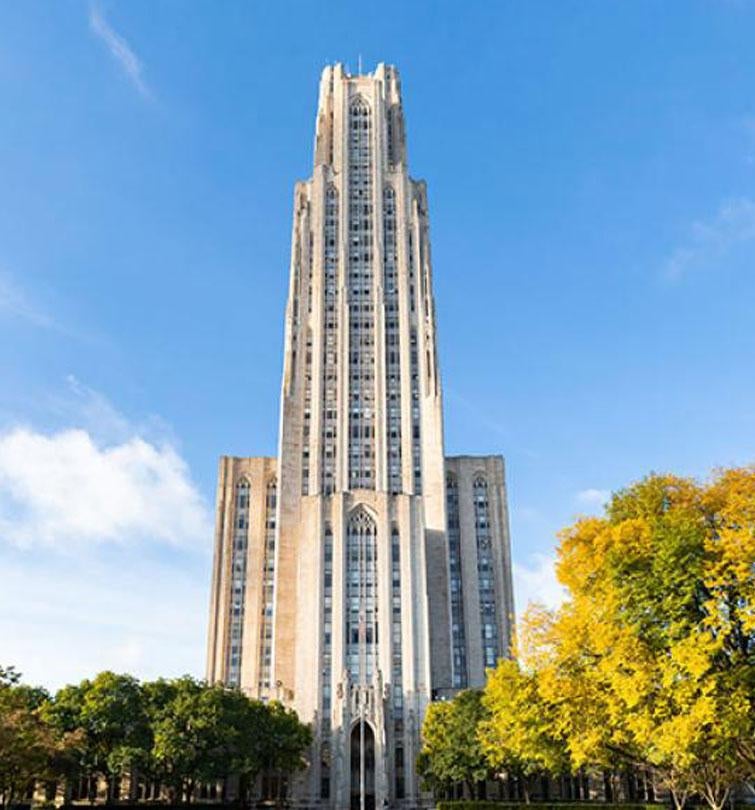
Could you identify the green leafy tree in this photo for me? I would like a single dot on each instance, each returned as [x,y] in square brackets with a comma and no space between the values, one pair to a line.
[451,749]
[286,741]
[31,749]
[191,737]
[108,713]
[204,733]
[27,743]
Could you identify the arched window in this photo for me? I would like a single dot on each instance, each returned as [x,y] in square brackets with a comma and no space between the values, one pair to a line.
[361,596]
[238,581]
[485,573]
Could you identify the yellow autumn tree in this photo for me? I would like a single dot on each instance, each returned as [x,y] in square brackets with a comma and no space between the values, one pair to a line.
[651,660]
[518,735]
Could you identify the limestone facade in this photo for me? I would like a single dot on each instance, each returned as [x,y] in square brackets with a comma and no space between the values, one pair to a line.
[341,583]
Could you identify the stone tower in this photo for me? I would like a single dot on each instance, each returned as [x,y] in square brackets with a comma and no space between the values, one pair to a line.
[361,574]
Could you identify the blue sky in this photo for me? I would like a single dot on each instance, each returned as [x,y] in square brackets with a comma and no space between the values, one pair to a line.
[591,170]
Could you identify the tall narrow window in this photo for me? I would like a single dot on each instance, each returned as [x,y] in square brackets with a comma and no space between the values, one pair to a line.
[327,659]
[268,588]
[330,344]
[306,415]
[416,419]
[296,289]
[485,573]
[392,342]
[396,663]
[238,582]
[361,300]
[361,597]
[458,634]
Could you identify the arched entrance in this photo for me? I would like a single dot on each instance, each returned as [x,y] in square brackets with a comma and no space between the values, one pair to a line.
[362,766]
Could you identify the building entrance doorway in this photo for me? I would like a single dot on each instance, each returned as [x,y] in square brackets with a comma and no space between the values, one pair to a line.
[362,766]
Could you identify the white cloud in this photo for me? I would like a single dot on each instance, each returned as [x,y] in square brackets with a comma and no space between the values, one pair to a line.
[105,549]
[119,49]
[733,224]
[64,490]
[537,583]
[14,302]
[593,497]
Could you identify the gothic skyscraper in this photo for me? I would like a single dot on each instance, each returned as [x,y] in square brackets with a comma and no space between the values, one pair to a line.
[361,574]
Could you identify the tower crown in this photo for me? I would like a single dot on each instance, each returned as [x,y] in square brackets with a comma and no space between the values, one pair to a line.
[380,90]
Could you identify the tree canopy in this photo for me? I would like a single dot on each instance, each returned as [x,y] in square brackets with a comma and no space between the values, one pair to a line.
[180,732]
[650,661]
[451,750]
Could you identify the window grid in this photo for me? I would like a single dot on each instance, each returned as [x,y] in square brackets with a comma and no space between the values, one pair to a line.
[485,573]
[361,597]
[396,662]
[307,415]
[392,342]
[361,303]
[238,582]
[330,344]
[268,588]
[327,661]
[416,436]
[295,296]
[458,634]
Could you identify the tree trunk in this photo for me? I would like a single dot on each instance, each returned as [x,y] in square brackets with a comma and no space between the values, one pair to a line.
[715,795]
[616,787]
[679,797]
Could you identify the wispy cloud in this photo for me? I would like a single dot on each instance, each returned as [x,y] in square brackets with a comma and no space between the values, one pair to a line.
[15,303]
[119,49]
[478,413]
[711,240]
[62,620]
[593,497]
[537,583]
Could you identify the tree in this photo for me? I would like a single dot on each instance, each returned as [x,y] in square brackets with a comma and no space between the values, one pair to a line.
[109,714]
[651,661]
[27,744]
[205,733]
[518,735]
[30,748]
[451,750]
[191,738]
[281,747]
[286,740]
